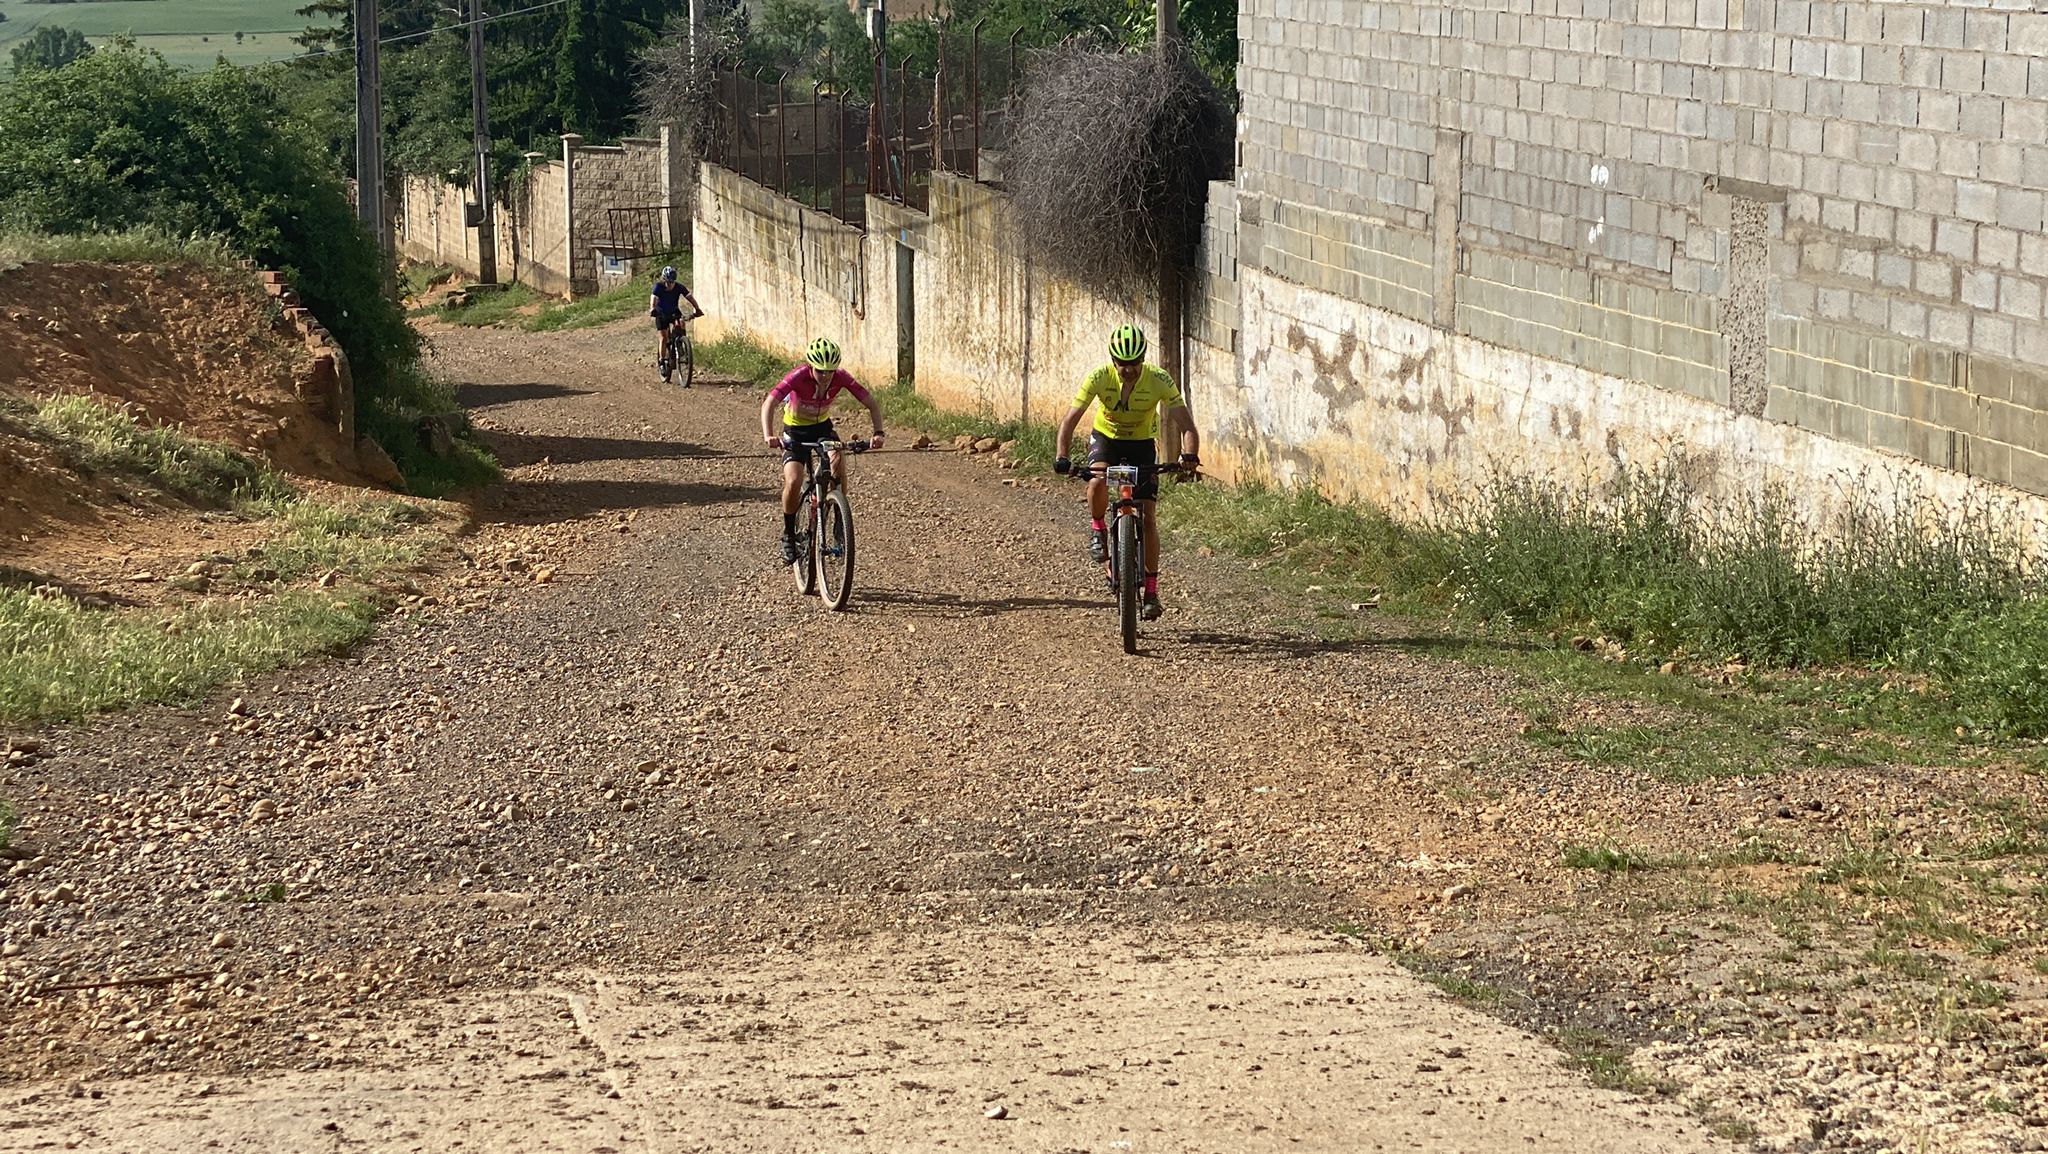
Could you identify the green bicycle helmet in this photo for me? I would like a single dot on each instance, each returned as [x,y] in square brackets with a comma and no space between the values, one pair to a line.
[823,355]
[1127,343]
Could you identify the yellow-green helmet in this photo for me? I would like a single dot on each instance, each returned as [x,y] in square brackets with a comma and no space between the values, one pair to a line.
[1127,343]
[823,355]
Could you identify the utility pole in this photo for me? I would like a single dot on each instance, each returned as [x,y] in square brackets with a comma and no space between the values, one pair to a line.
[480,114]
[1170,291]
[369,126]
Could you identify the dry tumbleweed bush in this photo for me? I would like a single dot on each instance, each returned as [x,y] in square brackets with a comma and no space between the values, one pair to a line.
[1110,159]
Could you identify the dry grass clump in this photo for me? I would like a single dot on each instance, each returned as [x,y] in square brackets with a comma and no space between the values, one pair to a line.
[1110,159]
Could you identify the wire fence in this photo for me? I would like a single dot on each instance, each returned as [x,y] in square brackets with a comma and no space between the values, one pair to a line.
[830,151]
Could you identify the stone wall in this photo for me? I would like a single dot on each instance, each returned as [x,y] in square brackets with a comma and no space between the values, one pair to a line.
[1825,218]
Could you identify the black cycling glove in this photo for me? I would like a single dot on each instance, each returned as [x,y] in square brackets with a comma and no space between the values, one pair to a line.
[1062,466]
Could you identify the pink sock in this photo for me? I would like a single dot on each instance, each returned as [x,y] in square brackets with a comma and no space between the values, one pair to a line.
[1097,525]
[1152,585]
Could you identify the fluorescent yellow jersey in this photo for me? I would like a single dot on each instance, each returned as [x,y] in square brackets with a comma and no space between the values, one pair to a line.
[1132,419]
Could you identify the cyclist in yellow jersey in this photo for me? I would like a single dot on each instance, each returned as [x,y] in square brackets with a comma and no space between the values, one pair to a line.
[1130,396]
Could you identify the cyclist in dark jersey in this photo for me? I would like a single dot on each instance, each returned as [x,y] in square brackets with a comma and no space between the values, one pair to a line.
[665,305]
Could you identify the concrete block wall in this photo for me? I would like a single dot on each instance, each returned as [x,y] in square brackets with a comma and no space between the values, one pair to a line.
[993,333]
[628,175]
[530,240]
[770,269]
[1822,215]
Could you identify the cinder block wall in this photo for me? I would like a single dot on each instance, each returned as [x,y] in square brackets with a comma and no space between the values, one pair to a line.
[1822,216]
[991,332]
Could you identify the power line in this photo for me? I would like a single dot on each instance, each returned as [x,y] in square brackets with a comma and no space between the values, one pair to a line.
[527,11]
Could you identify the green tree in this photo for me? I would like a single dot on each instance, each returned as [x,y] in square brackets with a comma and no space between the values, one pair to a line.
[121,139]
[50,47]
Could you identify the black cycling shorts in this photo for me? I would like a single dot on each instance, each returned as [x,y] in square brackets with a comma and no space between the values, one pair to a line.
[1116,451]
[798,439]
[664,320]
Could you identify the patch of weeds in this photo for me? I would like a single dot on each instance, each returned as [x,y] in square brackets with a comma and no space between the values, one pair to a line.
[8,820]
[484,307]
[97,436]
[1997,1105]
[2041,964]
[262,895]
[357,540]
[1602,858]
[911,409]
[135,246]
[1470,991]
[393,419]
[741,359]
[1605,1062]
[415,278]
[1727,1126]
[616,304]
[61,660]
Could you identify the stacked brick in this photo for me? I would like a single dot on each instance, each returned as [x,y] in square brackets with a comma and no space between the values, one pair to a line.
[325,381]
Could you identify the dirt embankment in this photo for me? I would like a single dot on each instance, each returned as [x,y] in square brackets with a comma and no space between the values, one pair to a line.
[203,350]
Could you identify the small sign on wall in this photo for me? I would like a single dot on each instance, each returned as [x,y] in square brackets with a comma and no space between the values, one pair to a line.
[614,267]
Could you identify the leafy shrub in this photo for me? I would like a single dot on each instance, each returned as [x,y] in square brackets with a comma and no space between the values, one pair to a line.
[120,139]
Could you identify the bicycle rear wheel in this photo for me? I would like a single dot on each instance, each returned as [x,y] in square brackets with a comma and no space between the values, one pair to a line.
[835,551]
[805,567]
[1129,587]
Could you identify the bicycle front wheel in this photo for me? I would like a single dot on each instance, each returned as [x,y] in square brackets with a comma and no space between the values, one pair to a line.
[686,358]
[805,568]
[835,551]
[1129,587]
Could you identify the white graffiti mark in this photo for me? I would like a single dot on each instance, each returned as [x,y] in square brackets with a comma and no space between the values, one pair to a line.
[1599,177]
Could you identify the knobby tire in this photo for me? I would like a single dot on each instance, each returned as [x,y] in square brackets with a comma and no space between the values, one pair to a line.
[1129,586]
[805,567]
[835,551]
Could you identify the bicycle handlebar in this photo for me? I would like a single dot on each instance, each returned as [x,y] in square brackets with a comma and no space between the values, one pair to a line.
[1093,470]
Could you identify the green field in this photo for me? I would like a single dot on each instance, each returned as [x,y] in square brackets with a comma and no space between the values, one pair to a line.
[189,33]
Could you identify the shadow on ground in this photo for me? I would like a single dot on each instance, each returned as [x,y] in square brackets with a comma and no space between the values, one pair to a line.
[953,605]
[516,449]
[534,502]
[480,396]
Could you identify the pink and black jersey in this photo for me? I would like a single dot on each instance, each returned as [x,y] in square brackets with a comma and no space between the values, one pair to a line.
[806,402]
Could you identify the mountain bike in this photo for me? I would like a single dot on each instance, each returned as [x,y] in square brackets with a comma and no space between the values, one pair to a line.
[825,538]
[1125,568]
[678,355]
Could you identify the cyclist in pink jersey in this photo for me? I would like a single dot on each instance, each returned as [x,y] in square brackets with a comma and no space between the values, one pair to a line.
[806,397]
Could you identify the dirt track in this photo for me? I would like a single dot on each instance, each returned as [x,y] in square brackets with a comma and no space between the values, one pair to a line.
[660,828]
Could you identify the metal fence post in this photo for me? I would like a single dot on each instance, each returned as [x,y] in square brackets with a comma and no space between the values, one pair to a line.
[903,132]
[817,142]
[974,101]
[781,135]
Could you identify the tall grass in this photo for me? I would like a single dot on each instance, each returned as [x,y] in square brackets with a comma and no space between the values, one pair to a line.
[392,419]
[60,659]
[134,246]
[100,437]
[1651,566]
[742,359]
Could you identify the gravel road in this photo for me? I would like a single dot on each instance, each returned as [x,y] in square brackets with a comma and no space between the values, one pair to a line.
[614,843]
